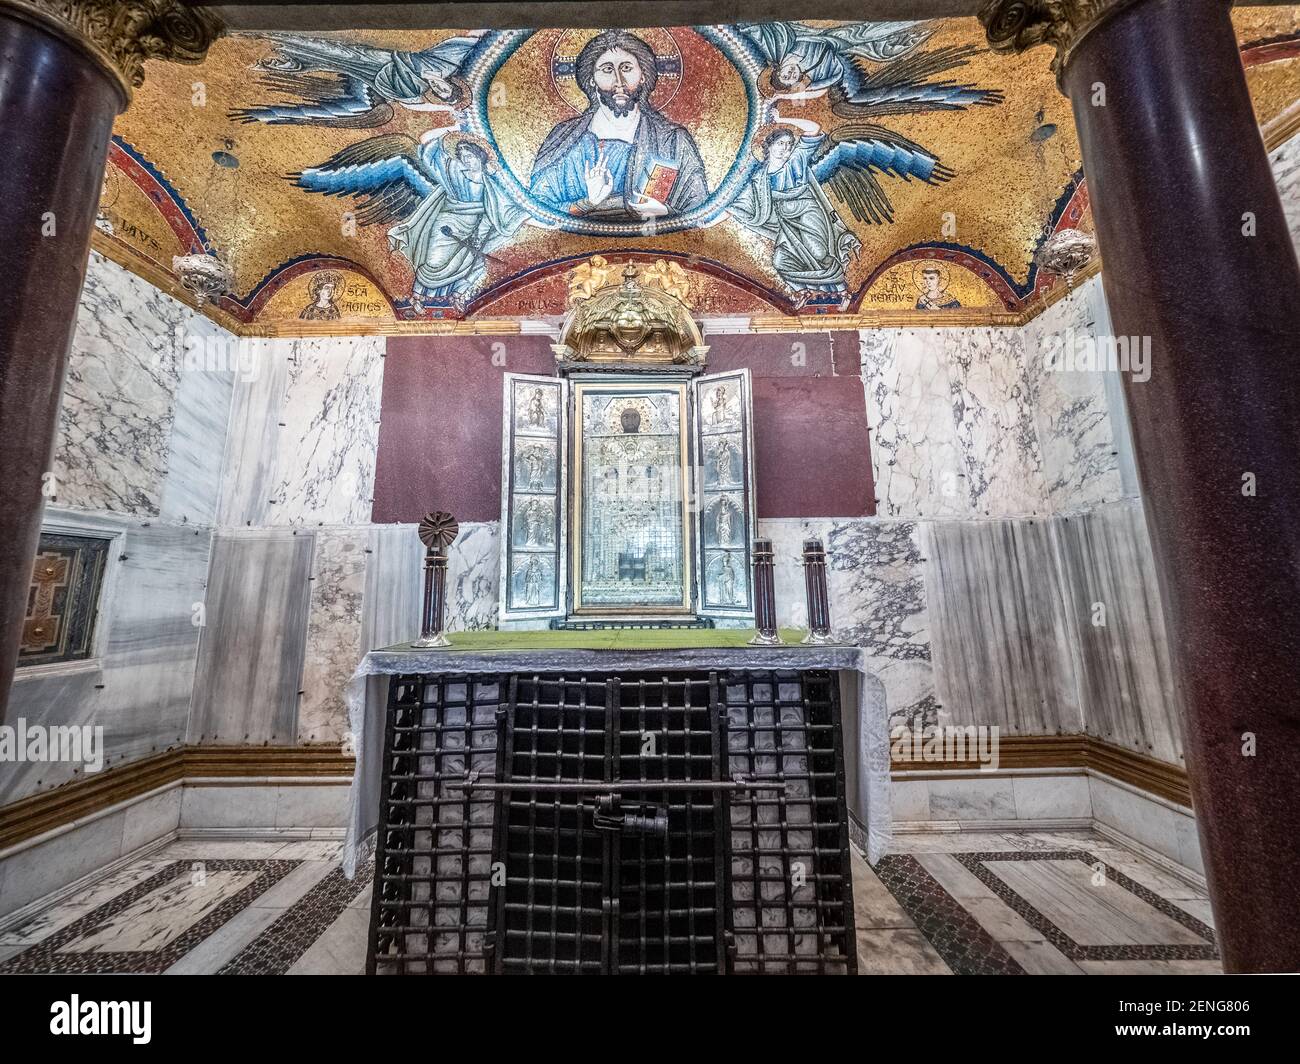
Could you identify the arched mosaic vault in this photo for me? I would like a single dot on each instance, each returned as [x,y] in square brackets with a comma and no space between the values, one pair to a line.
[837,173]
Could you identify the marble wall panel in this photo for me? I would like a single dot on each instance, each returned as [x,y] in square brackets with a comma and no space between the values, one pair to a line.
[915,454]
[394,583]
[1286,170]
[992,404]
[250,663]
[1000,636]
[390,609]
[326,468]
[1073,409]
[333,648]
[877,599]
[115,423]
[473,572]
[1113,602]
[252,444]
[200,424]
[303,435]
[138,687]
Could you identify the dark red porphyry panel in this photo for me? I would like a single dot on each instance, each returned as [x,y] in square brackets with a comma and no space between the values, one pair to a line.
[440,424]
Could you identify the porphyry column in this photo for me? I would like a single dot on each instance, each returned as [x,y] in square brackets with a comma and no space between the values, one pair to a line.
[66,70]
[1197,256]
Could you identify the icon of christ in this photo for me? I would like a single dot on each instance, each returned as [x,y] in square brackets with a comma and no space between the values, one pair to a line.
[621,159]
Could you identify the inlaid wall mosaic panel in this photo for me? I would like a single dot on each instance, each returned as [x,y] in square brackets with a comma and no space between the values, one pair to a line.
[357,178]
[63,600]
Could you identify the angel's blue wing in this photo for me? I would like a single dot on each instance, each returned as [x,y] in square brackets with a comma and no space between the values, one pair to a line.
[388,171]
[848,168]
[908,86]
[343,83]
[346,101]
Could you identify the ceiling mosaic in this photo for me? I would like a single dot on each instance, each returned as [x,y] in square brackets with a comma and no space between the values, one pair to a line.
[375,181]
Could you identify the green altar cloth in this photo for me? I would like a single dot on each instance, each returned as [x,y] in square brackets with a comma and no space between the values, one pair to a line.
[602,639]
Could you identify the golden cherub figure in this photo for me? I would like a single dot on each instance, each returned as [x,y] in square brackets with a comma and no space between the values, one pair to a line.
[668,277]
[590,277]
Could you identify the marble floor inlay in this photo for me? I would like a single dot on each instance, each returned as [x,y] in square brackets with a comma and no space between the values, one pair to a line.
[963,944]
[963,903]
[1086,892]
[276,949]
[149,926]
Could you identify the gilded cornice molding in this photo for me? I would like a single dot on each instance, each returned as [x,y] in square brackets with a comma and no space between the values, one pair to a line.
[1018,25]
[122,34]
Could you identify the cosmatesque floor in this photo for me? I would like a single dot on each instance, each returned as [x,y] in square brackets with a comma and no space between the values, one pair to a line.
[1063,903]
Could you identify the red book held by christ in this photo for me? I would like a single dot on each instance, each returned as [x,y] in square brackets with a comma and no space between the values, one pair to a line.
[659,181]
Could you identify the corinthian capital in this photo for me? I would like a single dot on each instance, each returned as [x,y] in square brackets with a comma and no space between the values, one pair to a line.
[122,34]
[1018,25]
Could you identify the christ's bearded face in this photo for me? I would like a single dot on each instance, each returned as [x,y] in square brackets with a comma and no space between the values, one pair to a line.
[619,81]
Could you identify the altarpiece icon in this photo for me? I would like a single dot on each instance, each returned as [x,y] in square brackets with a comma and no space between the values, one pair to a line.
[627,478]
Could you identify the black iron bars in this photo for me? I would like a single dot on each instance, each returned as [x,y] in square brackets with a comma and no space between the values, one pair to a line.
[437,531]
[764,596]
[814,579]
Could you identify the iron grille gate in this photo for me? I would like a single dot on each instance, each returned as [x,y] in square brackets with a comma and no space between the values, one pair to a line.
[665,822]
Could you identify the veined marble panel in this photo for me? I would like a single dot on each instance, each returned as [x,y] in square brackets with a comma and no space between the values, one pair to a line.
[390,611]
[253,441]
[140,694]
[1001,638]
[473,569]
[1072,408]
[333,632]
[877,592]
[877,599]
[915,456]
[1113,602]
[395,582]
[304,434]
[197,446]
[1286,170]
[992,405]
[116,419]
[326,468]
[251,652]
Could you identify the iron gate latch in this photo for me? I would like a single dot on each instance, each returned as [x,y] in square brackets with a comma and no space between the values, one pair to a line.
[637,819]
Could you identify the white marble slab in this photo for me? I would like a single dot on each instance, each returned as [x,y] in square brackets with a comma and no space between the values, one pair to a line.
[876,589]
[304,434]
[333,649]
[473,570]
[996,432]
[391,606]
[251,652]
[1123,663]
[1286,171]
[1002,642]
[119,397]
[197,446]
[1072,409]
[916,458]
